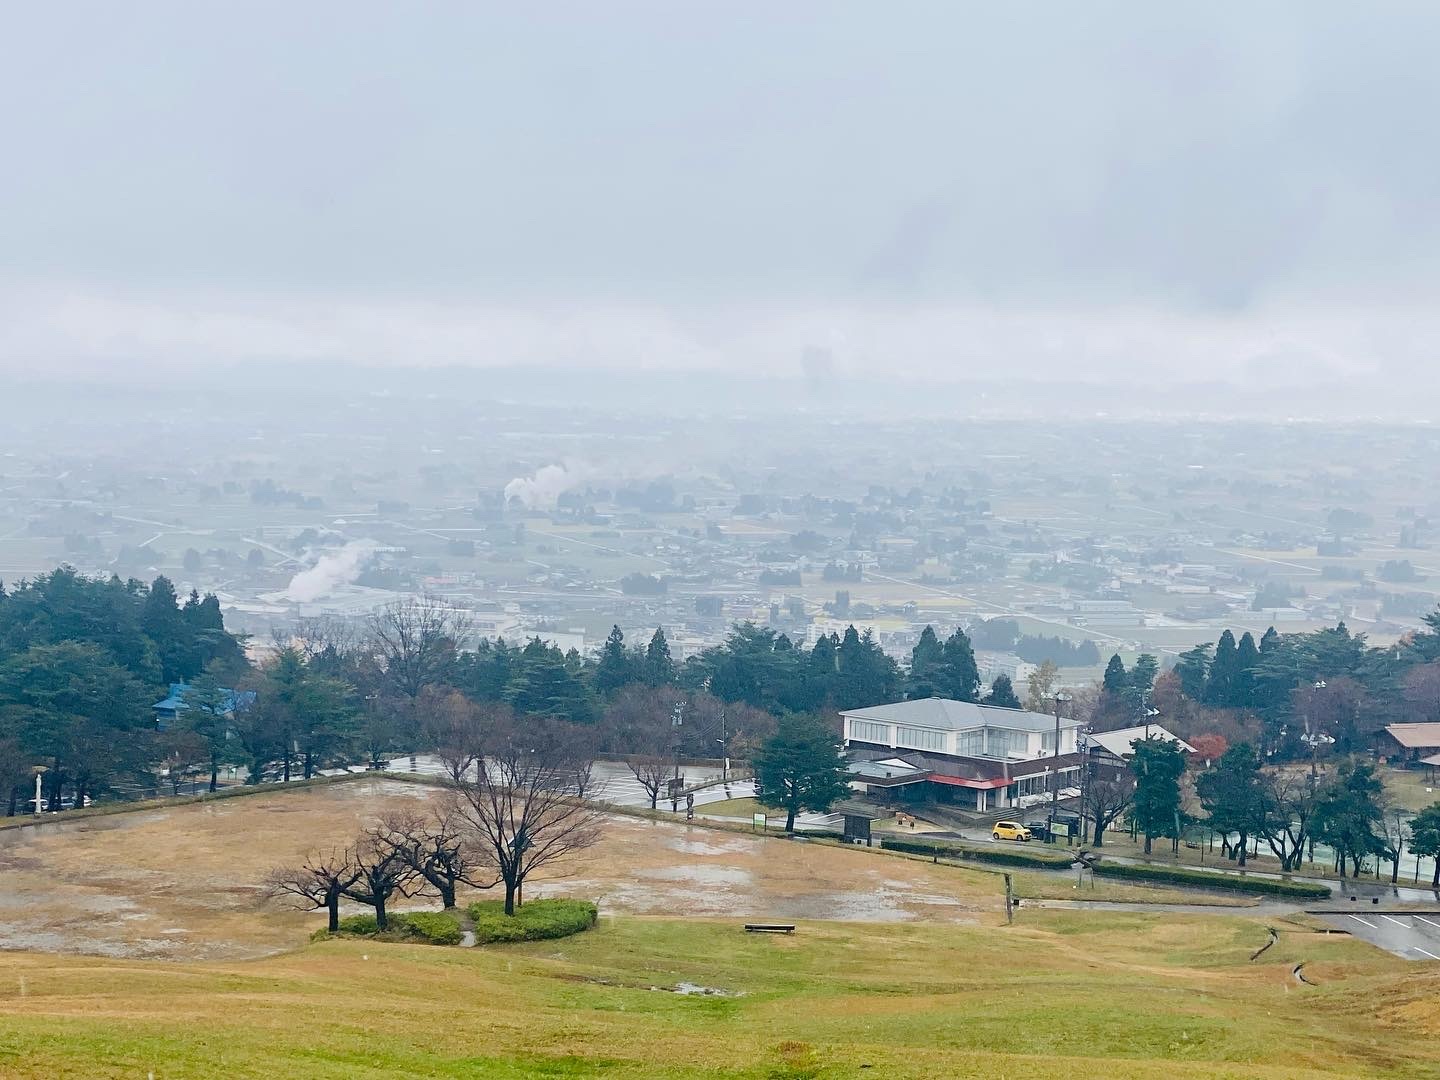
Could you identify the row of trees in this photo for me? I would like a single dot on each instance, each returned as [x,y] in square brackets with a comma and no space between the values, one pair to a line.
[1288,809]
[514,813]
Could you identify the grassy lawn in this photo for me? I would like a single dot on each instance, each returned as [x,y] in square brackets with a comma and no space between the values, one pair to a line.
[1035,885]
[741,808]
[1122,996]
[1411,788]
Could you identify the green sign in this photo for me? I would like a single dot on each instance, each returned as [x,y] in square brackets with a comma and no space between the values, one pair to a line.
[758,821]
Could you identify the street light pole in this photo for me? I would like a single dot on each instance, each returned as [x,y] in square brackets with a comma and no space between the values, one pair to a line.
[1060,698]
[40,772]
[1313,737]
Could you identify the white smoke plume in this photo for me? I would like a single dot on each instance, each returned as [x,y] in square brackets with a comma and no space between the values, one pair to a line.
[332,570]
[541,491]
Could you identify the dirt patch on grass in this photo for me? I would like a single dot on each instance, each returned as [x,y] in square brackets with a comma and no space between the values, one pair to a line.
[184,883]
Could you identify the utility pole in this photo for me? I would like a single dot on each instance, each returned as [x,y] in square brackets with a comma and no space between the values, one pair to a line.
[724,749]
[1060,698]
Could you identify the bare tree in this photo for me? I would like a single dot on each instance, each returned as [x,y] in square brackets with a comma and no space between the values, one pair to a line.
[1108,794]
[381,873]
[320,637]
[519,809]
[320,881]
[439,848]
[640,725]
[415,641]
[457,728]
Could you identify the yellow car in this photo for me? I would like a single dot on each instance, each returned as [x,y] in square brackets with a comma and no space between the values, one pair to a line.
[1009,830]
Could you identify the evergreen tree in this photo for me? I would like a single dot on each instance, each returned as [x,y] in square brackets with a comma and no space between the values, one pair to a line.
[1269,641]
[1220,687]
[1192,669]
[864,674]
[163,624]
[1116,678]
[546,686]
[1247,655]
[1158,765]
[959,675]
[1002,693]
[1139,684]
[801,767]
[1233,794]
[925,661]
[659,667]
[615,668]
[1349,815]
[1425,838]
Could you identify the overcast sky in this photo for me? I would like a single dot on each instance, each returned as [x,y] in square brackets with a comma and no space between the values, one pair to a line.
[925,189]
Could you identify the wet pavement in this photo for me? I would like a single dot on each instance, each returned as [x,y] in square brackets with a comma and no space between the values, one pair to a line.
[1415,935]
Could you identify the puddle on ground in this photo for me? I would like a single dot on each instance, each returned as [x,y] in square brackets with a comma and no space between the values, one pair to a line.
[699,875]
[689,989]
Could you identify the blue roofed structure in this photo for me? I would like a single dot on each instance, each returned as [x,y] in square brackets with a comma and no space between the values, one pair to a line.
[167,710]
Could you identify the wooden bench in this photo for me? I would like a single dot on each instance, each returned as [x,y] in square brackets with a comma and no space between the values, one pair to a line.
[769,928]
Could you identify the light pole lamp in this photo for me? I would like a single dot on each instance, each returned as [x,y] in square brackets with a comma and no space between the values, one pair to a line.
[1150,714]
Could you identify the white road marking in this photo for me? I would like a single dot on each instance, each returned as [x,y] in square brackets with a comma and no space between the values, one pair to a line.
[1397,922]
[1367,922]
[1431,922]
[1429,954]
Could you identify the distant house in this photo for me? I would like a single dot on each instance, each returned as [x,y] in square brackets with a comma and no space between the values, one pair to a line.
[974,757]
[1411,742]
[169,709]
[1120,744]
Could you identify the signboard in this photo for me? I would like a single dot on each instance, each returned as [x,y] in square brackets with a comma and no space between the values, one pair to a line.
[1059,828]
[757,822]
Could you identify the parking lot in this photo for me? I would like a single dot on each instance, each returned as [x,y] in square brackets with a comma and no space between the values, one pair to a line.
[1415,935]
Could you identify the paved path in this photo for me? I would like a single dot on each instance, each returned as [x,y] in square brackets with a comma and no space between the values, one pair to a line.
[1415,935]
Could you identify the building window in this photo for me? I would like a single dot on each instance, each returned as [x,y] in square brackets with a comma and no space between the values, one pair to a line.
[866,731]
[971,743]
[1047,742]
[919,738]
[1000,743]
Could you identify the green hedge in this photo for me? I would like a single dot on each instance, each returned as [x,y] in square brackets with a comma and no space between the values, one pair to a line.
[435,927]
[534,920]
[1203,879]
[1166,875]
[1000,856]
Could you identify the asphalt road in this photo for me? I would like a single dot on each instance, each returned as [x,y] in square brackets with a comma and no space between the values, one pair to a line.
[1415,935]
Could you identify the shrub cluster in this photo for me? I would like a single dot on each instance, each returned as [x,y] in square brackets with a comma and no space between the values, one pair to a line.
[1165,875]
[1043,860]
[434,927]
[1179,875]
[532,921]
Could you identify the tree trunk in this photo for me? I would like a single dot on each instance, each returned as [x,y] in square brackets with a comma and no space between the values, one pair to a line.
[509,898]
[1148,838]
[332,904]
[381,921]
[790,820]
[285,774]
[14,798]
[447,894]
[1435,881]
[1241,847]
[1099,834]
[654,798]
[309,764]
[214,773]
